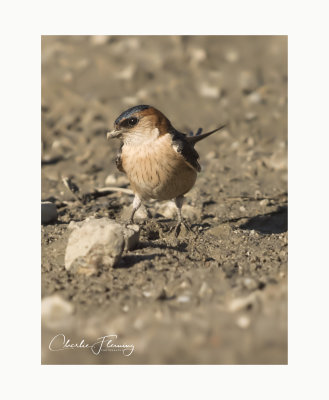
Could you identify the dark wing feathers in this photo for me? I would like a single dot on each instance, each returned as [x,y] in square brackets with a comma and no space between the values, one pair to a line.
[185,145]
[186,149]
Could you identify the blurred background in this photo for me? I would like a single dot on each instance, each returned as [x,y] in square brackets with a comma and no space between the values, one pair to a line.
[221,298]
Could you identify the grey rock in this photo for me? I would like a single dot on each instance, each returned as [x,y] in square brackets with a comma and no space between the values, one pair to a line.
[48,212]
[94,244]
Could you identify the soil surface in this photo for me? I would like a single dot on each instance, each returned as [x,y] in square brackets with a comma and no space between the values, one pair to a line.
[217,295]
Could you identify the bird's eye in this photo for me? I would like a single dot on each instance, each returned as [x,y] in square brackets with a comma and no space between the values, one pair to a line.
[132,121]
[129,122]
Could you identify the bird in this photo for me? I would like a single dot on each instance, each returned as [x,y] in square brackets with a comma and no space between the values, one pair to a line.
[160,162]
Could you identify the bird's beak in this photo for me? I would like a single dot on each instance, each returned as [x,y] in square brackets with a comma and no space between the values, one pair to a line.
[114,134]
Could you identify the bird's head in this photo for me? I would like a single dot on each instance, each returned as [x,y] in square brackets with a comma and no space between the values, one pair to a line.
[139,124]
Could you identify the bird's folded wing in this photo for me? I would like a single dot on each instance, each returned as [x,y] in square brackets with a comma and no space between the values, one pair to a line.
[186,150]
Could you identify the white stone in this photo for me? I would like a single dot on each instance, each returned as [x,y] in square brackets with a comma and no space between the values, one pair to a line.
[264,202]
[211,92]
[250,284]
[243,322]
[183,299]
[48,212]
[110,180]
[93,244]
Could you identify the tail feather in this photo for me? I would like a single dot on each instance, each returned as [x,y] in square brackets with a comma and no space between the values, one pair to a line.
[196,138]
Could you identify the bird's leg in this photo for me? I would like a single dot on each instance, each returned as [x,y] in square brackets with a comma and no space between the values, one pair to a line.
[148,212]
[136,204]
[179,203]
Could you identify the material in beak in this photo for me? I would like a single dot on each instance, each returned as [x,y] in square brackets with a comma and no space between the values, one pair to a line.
[114,134]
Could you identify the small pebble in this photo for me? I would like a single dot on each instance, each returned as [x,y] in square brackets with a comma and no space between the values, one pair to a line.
[211,155]
[242,302]
[232,56]
[250,284]
[264,202]
[127,73]
[250,141]
[255,98]
[130,100]
[248,81]
[243,322]
[210,92]
[112,180]
[197,55]
[250,116]
[183,299]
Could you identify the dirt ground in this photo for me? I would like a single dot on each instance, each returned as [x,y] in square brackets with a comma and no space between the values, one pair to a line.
[219,295]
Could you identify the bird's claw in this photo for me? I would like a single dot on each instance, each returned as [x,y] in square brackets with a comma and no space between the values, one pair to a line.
[129,222]
[177,228]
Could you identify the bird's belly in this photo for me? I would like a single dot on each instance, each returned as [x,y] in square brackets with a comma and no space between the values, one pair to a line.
[158,174]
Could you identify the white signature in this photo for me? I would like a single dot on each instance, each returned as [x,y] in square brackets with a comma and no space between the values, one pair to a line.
[104,343]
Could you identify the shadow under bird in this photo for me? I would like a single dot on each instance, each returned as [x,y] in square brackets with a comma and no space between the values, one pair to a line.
[160,162]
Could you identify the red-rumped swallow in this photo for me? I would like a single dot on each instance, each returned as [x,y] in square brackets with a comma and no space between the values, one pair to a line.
[159,161]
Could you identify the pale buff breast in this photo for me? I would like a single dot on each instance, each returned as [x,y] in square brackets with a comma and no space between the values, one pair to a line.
[156,170]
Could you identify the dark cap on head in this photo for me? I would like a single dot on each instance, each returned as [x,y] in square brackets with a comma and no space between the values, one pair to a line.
[126,114]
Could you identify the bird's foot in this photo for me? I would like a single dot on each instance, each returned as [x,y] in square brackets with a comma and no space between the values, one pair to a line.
[148,213]
[181,226]
[129,222]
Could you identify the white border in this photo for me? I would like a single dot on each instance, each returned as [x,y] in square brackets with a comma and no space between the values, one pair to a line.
[306,25]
